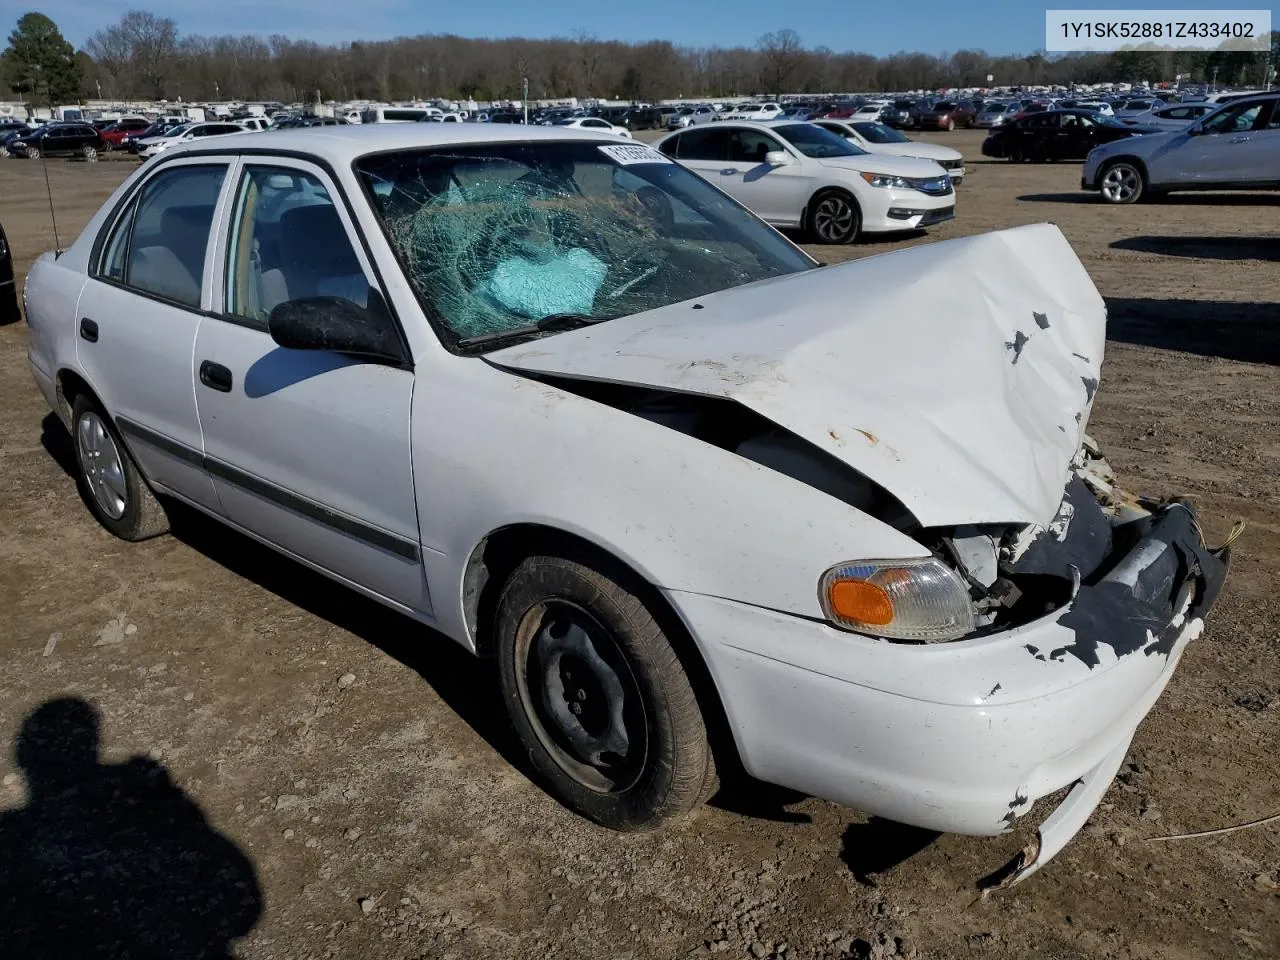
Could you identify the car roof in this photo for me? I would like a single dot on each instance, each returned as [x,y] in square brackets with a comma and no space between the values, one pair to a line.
[340,145]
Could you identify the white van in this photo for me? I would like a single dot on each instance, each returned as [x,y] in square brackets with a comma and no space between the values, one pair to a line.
[397,114]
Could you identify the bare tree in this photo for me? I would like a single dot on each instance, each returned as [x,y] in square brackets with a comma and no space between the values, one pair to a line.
[590,53]
[783,55]
[142,44]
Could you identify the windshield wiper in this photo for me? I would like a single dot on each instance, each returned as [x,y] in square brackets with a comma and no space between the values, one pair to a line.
[554,323]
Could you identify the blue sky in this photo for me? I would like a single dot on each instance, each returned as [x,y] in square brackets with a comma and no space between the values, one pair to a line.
[882,27]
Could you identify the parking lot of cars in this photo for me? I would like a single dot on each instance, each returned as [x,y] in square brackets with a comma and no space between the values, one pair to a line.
[363,764]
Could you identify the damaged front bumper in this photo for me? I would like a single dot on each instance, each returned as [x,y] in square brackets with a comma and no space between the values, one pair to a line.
[964,737]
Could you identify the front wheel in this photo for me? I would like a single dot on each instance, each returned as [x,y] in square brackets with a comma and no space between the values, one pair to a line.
[951,125]
[1122,182]
[597,693]
[1015,155]
[834,218]
[109,480]
[33,153]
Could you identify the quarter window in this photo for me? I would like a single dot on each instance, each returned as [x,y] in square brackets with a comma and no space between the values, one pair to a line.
[158,245]
[288,243]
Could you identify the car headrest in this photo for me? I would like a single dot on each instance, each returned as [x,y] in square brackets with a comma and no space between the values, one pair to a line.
[313,238]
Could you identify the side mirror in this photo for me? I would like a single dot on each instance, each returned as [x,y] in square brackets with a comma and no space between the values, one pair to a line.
[338,325]
[778,158]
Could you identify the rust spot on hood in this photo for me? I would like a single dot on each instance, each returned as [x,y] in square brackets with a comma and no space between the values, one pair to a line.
[871,437]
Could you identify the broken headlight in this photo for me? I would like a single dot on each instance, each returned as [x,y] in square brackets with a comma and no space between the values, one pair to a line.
[920,600]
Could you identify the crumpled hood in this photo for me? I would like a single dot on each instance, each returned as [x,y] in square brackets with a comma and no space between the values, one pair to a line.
[957,375]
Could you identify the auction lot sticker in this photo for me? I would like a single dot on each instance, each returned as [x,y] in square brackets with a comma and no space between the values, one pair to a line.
[1111,30]
[626,154]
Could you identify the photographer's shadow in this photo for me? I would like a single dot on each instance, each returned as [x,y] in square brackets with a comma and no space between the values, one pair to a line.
[112,860]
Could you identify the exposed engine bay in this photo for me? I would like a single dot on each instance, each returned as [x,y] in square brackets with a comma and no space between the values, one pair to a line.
[1137,569]
[1132,570]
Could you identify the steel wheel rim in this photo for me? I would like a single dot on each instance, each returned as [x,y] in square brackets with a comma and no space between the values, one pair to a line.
[1120,183]
[101,465]
[581,697]
[833,219]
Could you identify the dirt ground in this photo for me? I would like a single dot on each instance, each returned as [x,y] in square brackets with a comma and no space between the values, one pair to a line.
[390,814]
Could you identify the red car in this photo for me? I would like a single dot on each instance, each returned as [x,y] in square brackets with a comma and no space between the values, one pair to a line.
[113,136]
[943,115]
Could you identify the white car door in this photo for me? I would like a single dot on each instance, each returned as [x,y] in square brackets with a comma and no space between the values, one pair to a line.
[776,194]
[308,449]
[140,313]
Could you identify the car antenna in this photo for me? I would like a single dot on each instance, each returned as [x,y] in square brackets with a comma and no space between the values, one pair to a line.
[57,246]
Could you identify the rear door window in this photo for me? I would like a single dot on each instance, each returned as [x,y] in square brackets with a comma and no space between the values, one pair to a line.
[158,245]
[706,144]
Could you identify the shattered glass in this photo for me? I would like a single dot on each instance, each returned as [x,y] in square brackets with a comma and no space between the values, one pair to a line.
[495,236]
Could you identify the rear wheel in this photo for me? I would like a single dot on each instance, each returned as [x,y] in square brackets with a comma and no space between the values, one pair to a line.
[90,153]
[1121,182]
[833,218]
[109,481]
[598,695]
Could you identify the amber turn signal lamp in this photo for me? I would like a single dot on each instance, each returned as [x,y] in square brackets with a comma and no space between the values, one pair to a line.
[862,602]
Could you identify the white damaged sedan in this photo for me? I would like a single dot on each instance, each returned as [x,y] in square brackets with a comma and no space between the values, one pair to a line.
[559,398]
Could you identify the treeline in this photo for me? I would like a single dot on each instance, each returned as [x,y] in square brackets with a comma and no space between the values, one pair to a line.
[144,56]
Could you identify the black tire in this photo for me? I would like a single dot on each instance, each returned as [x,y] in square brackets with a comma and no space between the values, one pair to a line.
[94,437]
[1122,182]
[597,693]
[833,217]
[1015,155]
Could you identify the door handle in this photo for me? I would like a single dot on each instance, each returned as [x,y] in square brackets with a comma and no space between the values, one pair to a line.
[215,376]
[88,330]
[1239,139]
[728,172]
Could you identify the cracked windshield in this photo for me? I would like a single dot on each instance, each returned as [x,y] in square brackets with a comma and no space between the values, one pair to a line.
[504,242]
